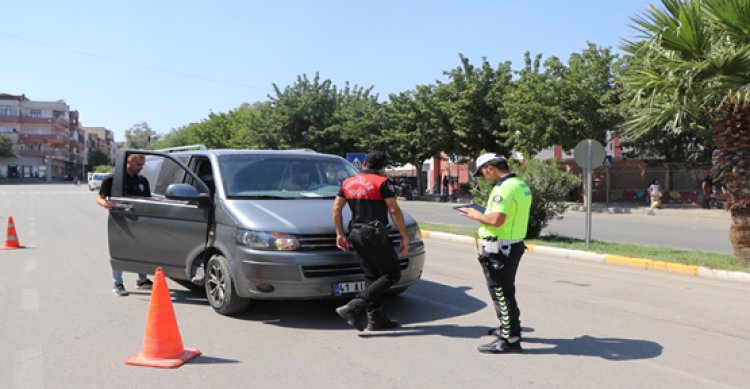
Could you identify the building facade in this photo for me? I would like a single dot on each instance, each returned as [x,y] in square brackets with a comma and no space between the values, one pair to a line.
[48,142]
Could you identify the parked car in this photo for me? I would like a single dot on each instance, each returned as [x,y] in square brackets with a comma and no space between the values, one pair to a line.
[243,225]
[95,182]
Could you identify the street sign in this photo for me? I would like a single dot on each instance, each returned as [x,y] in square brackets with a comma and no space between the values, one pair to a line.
[608,161]
[589,150]
[357,159]
[589,154]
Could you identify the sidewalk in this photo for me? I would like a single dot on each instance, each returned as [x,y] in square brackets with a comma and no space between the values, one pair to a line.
[666,210]
[610,259]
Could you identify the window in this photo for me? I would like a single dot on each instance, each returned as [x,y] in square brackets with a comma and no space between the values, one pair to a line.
[40,147]
[160,173]
[35,113]
[5,110]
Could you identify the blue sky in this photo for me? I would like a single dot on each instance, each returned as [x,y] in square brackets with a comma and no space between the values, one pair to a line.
[170,63]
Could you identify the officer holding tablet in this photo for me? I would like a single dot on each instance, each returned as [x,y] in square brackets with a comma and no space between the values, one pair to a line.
[501,231]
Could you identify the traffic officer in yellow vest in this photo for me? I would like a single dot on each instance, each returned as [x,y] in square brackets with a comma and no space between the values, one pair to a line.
[501,232]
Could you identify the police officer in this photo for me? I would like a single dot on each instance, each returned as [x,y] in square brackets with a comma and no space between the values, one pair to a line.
[371,197]
[502,230]
[134,185]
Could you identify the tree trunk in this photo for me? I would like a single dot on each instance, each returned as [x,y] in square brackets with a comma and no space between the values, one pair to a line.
[739,234]
[731,170]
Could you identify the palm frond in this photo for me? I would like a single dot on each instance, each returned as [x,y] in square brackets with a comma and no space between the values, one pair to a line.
[734,15]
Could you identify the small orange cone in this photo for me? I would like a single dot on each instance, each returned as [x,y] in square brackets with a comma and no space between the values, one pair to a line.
[11,239]
[162,344]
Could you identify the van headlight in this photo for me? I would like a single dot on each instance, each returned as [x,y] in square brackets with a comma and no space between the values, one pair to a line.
[263,240]
[415,235]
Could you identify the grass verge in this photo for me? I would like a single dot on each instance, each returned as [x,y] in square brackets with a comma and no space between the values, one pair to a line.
[689,257]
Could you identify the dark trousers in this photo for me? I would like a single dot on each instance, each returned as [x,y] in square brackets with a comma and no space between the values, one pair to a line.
[380,265]
[500,274]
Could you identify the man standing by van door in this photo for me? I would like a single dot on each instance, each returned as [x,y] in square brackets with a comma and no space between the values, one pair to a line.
[137,186]
[371,197]
[502,230]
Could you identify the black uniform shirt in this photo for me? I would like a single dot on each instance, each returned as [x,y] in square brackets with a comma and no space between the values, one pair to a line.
[136,186]
[365,193]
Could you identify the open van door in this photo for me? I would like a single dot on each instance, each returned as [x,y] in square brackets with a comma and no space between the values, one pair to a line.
[168,229]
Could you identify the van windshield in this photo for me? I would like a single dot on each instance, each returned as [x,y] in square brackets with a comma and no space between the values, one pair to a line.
[265,176]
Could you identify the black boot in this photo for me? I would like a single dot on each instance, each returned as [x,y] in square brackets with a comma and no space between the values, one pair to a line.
[376,321]
[354,313]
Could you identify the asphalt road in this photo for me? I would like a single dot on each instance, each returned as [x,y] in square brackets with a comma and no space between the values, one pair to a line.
[586,325]
[689,229]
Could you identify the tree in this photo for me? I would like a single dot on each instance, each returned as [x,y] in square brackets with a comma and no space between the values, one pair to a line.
[98,157]
[475,98]
[415,130]
[138,136]
[693,73]
[6,147]
[549,188]
[315,114]
[564,104]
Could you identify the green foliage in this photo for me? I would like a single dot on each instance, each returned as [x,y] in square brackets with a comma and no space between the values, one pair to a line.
[315,114]
[104,169]
[137,136]
[559,104]
[474,100]
[416,123]
[98,157]
[6,147]
[549,188]
[690,57]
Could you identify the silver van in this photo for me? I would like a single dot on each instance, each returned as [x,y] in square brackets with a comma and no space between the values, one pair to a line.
[243,225]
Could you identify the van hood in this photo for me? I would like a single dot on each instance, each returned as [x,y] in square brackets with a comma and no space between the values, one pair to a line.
[301,217]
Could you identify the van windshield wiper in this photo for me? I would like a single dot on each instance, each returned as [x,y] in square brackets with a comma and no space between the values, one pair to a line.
[259,197]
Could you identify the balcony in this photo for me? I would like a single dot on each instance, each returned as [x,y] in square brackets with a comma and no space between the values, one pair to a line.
[54,155]
[51,138]
[53,121]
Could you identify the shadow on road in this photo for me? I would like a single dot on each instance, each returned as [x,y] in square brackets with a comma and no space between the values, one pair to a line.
[424,301]
[613,349]
[206,360]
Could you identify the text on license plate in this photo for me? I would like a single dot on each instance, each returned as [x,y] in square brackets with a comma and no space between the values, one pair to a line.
[340,288]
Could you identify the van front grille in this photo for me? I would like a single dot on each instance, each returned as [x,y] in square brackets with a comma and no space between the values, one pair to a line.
[328,242]
[341,269]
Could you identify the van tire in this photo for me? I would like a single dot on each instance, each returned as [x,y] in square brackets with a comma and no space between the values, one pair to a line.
[220,289]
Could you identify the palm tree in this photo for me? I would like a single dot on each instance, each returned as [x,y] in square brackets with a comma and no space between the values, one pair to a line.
[691,72]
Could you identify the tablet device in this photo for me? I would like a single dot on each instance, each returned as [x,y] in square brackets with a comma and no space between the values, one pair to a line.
[475,206]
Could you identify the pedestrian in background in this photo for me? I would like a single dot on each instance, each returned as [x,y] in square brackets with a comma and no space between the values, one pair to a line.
[134,185]
[707,191]
[502,230]
[371,197]
[654,192]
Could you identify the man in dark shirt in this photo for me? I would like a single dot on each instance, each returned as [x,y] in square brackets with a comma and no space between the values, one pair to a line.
[135,185]
[370,196]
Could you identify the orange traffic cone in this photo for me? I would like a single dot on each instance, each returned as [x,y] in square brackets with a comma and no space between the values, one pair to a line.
[11,239]
[162,344]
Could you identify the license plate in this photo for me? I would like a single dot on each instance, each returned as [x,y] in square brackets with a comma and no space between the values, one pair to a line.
[340,288]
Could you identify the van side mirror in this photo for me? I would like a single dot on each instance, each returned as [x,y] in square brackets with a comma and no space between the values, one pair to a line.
[186,192]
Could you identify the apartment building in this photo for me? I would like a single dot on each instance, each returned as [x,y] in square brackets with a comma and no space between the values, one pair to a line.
[100,138]
[47,139]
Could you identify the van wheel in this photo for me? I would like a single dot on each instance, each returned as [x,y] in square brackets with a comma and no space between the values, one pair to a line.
[220,288]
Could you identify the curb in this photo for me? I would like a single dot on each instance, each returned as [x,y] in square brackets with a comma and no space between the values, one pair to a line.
[611,259]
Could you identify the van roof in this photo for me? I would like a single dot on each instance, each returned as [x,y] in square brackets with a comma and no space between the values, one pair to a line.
[219,152]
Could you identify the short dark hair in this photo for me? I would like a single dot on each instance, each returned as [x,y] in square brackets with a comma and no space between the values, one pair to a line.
[499,164]
[376,160]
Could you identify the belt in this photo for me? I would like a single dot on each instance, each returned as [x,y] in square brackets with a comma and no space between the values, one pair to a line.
[503,242]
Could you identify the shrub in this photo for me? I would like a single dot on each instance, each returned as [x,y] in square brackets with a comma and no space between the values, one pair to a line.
[549,188]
